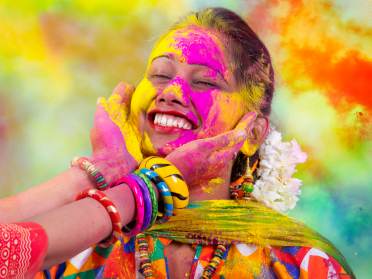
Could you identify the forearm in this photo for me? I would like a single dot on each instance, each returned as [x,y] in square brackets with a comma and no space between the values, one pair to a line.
[78,225]
[54,193]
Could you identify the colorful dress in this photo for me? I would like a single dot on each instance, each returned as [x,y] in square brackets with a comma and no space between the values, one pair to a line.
[260,242]
[240,261]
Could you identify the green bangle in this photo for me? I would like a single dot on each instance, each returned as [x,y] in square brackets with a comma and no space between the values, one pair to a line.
[154,201]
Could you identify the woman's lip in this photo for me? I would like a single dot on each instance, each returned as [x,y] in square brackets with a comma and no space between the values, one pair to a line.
[165,129]
[191,118]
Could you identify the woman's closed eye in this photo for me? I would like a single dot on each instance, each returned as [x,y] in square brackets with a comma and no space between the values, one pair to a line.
[161,76]
[205,83]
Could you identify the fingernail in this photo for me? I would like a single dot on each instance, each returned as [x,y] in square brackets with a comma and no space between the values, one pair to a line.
[241,134]
[251,115]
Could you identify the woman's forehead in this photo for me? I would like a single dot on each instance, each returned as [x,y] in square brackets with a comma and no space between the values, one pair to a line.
[193,45]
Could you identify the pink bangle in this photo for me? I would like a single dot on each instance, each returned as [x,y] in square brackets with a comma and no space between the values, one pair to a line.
[140,206]
[111,210]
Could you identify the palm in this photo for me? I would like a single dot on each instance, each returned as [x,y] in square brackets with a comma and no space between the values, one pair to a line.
[115,141]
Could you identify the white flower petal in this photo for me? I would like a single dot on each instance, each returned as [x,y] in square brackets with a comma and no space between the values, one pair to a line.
[275,187]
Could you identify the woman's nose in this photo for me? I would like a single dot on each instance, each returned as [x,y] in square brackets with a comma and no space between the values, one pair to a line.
[176,93]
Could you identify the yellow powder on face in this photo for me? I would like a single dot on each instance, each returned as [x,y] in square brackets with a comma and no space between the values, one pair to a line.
[147,146]
[176,90]
[165,45]
[142,97]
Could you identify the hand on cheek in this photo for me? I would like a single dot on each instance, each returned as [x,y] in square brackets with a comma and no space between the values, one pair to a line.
[203,160]
[114,138]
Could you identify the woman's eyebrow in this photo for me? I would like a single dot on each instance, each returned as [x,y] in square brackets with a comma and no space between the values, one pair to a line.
[162,56]
[206,65]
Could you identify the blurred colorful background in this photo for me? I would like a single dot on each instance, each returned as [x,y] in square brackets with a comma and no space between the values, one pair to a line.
[58,57]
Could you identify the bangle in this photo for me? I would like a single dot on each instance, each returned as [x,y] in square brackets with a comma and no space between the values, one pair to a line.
[111,210]
[147,202]
[171,176]
[154,200]
[164,191]
[133,229]
[94,174]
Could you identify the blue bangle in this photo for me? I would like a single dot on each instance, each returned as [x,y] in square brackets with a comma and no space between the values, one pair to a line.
[164,192]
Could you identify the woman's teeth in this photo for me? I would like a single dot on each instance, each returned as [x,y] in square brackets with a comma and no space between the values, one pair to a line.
[167,120]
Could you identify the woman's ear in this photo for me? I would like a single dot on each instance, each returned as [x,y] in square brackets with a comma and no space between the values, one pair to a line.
[256,136]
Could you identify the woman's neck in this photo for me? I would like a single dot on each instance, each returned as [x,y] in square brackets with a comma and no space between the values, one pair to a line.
[216,189]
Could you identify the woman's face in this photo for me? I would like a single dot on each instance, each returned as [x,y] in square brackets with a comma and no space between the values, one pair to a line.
[188,91]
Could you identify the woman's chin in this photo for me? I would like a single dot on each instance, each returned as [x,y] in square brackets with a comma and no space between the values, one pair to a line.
[156,149]
[162,144]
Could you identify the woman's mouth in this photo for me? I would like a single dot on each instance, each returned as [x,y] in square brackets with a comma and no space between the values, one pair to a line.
[169,121]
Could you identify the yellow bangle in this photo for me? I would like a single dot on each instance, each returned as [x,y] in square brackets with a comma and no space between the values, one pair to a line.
[171,176]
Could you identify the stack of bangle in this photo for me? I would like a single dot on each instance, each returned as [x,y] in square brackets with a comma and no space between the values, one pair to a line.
[111,210]
[164,192]
[139,196]
[94,174]
[171,176]
[154,201]
[141,183]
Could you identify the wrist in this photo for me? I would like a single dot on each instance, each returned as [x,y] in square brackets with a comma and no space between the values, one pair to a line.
[111,168]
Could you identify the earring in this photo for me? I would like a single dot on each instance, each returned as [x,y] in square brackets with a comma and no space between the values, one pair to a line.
[242,188]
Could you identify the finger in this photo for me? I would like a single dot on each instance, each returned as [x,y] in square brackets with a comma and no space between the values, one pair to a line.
[225,140]
[122,94]
[223,156]
[236,136]
[101,101]
[228,152]
[247,121]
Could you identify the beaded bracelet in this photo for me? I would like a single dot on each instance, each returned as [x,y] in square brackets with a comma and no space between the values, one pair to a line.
[147,201]
[93,173]
[111,210]
[144,257]
[154,200]
[218,256]
[164,192]
[140,208]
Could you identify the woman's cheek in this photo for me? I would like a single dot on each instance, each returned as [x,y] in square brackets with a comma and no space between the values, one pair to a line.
[142,97]
[232,109]
[223,115]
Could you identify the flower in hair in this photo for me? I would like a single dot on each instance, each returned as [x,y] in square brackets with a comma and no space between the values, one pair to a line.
[275,186]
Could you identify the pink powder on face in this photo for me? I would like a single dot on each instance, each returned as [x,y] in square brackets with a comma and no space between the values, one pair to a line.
[198,47]
[211,105]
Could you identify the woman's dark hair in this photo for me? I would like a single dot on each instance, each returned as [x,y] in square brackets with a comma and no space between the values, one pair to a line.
[250,63]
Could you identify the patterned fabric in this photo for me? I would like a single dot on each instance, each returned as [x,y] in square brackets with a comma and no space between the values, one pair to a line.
[279,250]
[241,261]
[22,249]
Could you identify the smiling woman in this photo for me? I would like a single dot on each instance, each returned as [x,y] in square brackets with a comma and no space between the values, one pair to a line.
[189,73]
[203,107]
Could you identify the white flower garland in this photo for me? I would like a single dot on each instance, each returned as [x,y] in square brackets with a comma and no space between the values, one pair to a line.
[275,186]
